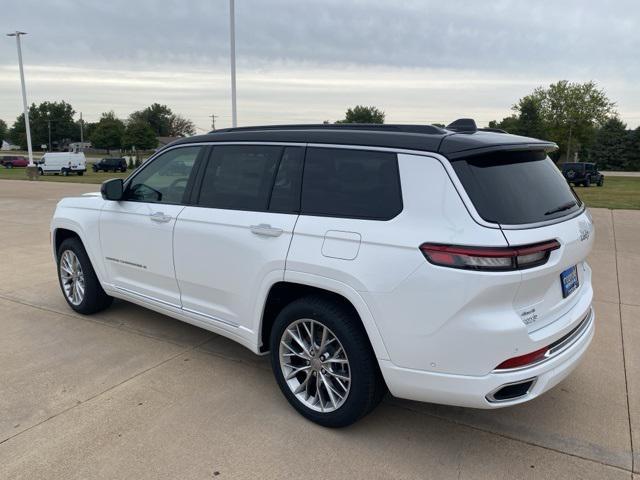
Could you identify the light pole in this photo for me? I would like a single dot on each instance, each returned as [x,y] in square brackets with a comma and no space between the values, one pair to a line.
[24,94]
[232,46]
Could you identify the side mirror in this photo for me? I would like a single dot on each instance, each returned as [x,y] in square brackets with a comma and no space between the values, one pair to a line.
[112,189]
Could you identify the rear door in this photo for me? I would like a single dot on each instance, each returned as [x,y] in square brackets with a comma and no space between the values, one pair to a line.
[527,195]
[231,246]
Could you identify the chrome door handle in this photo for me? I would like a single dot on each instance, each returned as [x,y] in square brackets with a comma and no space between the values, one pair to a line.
[266,230]
[160,217]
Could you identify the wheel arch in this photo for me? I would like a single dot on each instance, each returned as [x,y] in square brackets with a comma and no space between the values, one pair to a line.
[284,292]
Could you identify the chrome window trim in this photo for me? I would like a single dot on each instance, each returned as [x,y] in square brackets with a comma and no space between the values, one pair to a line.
[445,162]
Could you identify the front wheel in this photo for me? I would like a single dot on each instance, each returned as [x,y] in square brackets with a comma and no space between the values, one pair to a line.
[65,172]
[587,182]
[323,362]
[601,181]
[9,165]
[78,281]
[80,174]
[40,171]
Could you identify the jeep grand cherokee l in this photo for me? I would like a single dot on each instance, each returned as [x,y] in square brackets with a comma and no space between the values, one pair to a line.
[446,265]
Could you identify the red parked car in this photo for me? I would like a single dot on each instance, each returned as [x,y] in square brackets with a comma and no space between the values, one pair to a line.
[10,161]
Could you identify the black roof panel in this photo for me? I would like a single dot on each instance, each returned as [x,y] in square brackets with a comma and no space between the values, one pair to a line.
[410,137]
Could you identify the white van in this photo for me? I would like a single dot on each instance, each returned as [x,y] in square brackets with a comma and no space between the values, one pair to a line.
[63,163]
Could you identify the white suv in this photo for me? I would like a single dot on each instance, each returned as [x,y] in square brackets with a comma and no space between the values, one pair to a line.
[447,265]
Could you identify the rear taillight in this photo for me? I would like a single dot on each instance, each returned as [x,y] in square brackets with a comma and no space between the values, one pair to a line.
[489,258]
[523,360]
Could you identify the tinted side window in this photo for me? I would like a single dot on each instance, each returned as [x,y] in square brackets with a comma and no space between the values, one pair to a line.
[351,183]
[164,180]
[285,197]
[240,177]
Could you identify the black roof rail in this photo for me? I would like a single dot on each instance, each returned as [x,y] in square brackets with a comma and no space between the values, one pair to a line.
[463,125]
[494,130]
[379,127]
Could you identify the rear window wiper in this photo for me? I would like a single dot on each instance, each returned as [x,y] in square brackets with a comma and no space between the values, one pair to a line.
[561,208]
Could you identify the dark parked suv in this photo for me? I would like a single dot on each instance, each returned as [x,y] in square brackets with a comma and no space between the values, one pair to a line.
[111,165]
[580,173]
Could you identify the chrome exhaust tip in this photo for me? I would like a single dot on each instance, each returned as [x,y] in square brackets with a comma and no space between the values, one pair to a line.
[511,391]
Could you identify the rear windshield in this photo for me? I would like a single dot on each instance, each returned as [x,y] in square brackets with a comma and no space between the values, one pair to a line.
[515,188]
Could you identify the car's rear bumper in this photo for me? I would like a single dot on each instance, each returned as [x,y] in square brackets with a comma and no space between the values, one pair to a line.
[475,391]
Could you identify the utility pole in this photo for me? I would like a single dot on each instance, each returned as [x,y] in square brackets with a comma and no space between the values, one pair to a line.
[24,95]
[213,121]
[232,46]
[81,131]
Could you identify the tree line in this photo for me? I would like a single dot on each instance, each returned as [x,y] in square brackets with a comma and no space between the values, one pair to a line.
[581,119]
[55,121]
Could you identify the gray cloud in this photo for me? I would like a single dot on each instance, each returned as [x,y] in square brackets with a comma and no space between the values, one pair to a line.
[517,43]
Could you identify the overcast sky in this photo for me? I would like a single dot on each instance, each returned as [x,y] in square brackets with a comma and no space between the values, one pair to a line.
[306,61]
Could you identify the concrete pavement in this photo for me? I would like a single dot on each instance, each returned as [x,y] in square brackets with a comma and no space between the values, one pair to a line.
[129,393]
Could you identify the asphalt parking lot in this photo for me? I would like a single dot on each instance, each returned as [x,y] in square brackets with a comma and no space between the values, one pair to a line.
[129,393]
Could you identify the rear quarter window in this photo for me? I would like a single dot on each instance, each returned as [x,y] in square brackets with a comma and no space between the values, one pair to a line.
[351,184]
[516,188]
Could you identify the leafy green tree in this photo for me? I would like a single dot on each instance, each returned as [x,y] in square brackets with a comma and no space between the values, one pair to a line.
[108,133]
[362,114]
[157,116]
[3,130]
[611,145]
[566,113]
[139,134]
[572,112]
[633,150]
[62,125]
[510,124]
[164,122]
[180,126]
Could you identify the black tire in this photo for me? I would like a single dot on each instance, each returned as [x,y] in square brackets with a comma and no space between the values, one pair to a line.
[80,174]
[95,299]
[8,165]
[65,172]
[40,171]
[587,182]
[601,181]
[367,386]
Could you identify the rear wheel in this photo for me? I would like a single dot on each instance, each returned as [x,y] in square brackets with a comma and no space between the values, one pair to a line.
[8,165]
[80,174]
[78,280]
[40,171]
[323,362]
[587,182]
[65,172]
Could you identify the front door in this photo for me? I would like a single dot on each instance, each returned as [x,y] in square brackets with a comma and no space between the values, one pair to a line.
[232,245]
[136,233]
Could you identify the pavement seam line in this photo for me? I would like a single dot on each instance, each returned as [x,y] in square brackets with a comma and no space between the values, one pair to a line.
[508,437]
[112,387]
[624,358]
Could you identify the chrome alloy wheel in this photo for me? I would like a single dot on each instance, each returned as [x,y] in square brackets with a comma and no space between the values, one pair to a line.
[72,277]
[315,365]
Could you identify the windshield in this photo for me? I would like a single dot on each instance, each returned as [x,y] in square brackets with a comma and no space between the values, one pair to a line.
[516,188]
